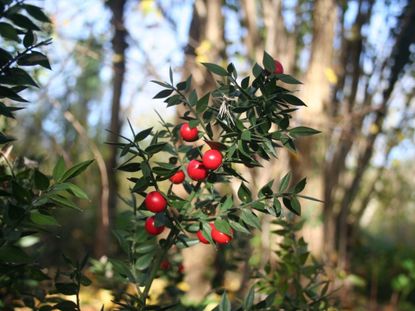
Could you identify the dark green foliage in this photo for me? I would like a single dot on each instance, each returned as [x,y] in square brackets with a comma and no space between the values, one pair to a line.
[296,280]
[28,197]
[246,122]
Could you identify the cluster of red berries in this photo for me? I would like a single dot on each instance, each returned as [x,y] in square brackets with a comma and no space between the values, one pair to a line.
[196,170]
[216,235]
[166,265]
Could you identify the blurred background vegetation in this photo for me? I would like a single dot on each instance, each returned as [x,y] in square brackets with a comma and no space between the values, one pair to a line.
[356,60]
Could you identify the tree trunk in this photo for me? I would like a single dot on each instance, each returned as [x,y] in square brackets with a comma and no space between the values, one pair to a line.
[119,46]
[316,93]
[206,41]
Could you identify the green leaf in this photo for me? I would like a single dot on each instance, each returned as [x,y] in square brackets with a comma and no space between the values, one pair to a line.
[143,262]
[163,93]
[8,32]
[34,58]
[238,227]
[23,21]
[276,205]
[216,69]
[174,100]
[302,131]
[143,134]
[202,103]
[4,139]
[292,204]
[257,70]
[163,84]
[67,288]
[141,184]
[249,299]
[85,281]
[122,268]
[206,232]
[13,254]
[300,185]
[244,194]
[186,242]
[285,182]
[37,13]
[62,201]
[77,191]
[145,247]
[75,170]
[266,191]
[41,181]
[155,148]
[17,76]
[29,39]
[223,226]
[268,62]
[10,93]
[287,79]
[227,204]
[8,111]
[291,99]
[225,304]
[193,98]
[5,56]
[59,169]
[250,219]
[246,135]
[43,220]
[245,82]
[193,123]
[130,167]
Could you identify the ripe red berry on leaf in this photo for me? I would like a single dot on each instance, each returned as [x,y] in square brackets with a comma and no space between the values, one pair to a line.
[196,170]
[278,67]
[151,227]
[188,134]
[155,202]
[165,265]
[212,159]
[178,177]
[201,238]
[220,237]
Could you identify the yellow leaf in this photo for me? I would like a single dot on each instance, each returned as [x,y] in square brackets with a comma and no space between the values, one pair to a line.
[202,51]
[148,7]
[183,286]
[374,129]
[117,58]
[330,75]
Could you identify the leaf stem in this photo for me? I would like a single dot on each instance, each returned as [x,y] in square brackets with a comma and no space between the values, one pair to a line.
[20,55]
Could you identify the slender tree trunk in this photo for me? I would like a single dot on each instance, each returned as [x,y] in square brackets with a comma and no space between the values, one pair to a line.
[316,92]
[119,46]
[207,30]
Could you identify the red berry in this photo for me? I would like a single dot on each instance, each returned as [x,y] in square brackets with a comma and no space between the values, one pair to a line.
[201,238]
[165,265]
[155,202]
[220,237]
[212,159]
[188,133]
[180,268]
[178,177]
[151,227]
[196,170]
[278,67]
